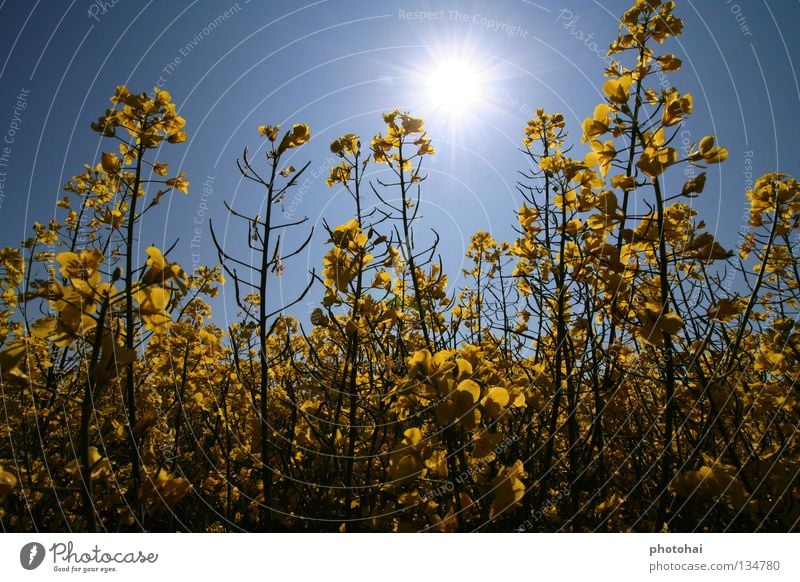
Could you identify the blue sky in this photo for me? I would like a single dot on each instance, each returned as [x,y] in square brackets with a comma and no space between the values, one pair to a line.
[336,65]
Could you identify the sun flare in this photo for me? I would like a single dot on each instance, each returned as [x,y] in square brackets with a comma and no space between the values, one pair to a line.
[454,86]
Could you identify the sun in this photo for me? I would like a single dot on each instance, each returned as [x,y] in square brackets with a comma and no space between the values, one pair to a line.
[454,86]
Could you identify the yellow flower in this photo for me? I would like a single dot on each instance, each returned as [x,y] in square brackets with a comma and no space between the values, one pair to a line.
[165,488]
[339,269]
[706,248]
[566,200]
[348,236]
[714,480]
[544,127]
[675,107]
[618,90]
[467,393]
[7,483]
[97,464]
[508,488]
[405,462]
[80,266]
[425,147]
[495,401]
[299,135]
[349,143]
[180,183]
[484,444]
[72,324]
[654,161]
[177,137]
[162,97]
[654,324]
[269,131]
[708,152]
[120,94]
[412,124]
[623,182]
[694,186]
[145,422]
[724,310]
[665,24]
[596,125]
[430,365]
[379,146]
[607,202]
[610,504]
[152,304]
[602,154]
[161,271]
[110,163]
[383,280]
[551,164]
[339,174]
[527,216]
[437,463]
[669,63]
[113,218]
[388,118]
[114,358]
